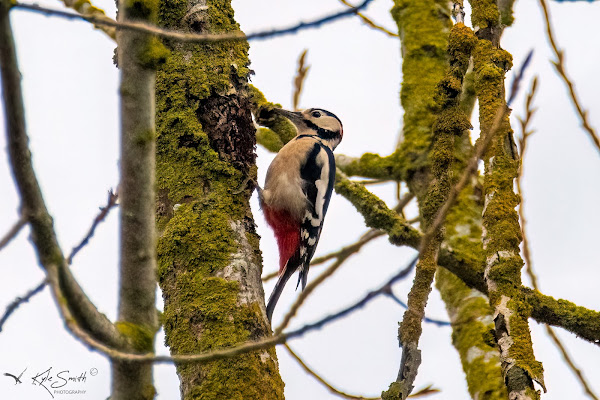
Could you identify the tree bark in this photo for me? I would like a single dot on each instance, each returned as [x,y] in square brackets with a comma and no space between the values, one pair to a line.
[209,260]
[501,232]
[137,57]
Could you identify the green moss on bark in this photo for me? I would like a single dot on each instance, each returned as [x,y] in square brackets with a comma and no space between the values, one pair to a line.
[204,155]
[278,125]
[141,338]
[269,139]
[502,235]
[423,27]
[371,165]
[472,336]
[484,13]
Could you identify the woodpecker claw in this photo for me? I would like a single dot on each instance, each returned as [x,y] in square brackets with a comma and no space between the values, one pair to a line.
[244,186]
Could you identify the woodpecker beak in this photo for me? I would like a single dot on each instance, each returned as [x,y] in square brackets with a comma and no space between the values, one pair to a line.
[294,116]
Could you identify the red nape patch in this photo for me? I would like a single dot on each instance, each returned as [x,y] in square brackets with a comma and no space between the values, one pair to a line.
[287,233]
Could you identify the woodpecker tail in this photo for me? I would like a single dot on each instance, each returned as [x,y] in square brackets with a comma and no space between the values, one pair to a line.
[283,278]
[302,276]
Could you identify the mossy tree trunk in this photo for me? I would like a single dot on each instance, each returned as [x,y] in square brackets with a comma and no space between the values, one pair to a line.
[501,231]
[209,262]
[423,28]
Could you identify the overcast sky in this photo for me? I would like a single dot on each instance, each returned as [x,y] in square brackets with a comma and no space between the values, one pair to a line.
[71,103]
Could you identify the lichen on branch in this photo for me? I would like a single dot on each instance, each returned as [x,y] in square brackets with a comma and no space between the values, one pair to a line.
[502,234]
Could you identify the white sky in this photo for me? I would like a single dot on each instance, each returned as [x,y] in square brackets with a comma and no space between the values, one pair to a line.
[71,100]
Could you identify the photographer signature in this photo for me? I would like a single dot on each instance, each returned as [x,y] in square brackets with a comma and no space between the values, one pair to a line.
[48,380]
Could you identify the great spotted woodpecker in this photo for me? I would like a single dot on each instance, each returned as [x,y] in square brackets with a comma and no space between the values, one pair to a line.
[297,191]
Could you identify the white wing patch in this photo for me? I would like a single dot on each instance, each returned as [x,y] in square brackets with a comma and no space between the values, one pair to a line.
[321,185]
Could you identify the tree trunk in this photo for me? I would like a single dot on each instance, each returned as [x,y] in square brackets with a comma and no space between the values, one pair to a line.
[209,262]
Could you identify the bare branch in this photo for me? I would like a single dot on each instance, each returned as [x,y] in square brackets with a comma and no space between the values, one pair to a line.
[137,194]
[370,23]
[560,67]
[350,249]
[13,232]
[407,198]
[514,87]
[576,371]
[343,252]
[322,381]
[299,79]
[12,307]
[372,181]
[191,37]
[104,211]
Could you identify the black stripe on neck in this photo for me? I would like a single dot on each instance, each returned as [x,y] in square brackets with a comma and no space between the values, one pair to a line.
[322,133]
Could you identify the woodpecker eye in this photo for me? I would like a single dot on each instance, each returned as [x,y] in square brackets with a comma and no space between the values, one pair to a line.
[315,114]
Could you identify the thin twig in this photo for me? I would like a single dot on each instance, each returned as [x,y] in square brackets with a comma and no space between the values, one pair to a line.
[370,23]
[347,250]
[270,276]
[307,291]
[560,67]
[193,37]
[390,293]
[350,249]
[525,133]
[104,211]
[514,89]
[525,121]
[404,202]
[112,202]
[12,307]
[322,381]
[299,79]
[570,363]
[13,232]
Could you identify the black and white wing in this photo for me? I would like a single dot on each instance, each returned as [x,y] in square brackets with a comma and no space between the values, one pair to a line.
[318,175]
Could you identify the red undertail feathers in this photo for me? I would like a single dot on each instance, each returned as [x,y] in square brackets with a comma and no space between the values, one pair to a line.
[287,233]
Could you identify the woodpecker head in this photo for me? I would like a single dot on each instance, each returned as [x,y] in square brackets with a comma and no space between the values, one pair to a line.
[316,122]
